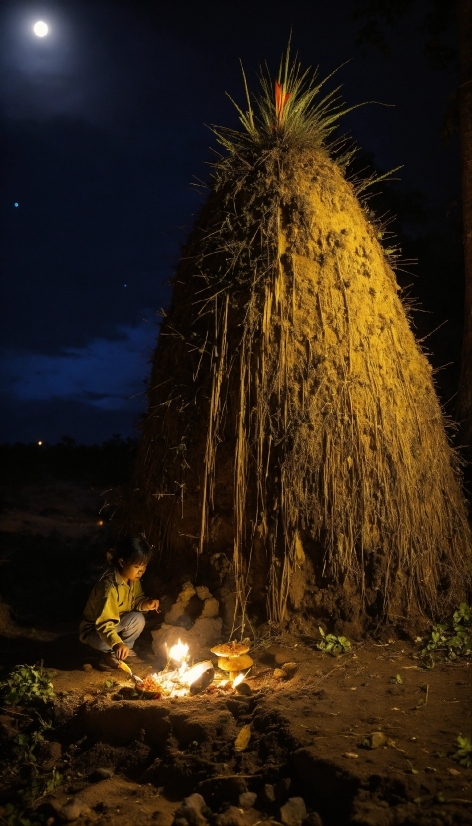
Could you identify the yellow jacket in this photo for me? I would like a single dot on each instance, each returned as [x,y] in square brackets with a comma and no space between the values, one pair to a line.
[110,598]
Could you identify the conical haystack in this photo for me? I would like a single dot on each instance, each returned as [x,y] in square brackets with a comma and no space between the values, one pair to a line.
[293,427]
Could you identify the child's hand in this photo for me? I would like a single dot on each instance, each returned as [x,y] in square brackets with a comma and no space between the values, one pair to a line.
[121,651]
[150,605]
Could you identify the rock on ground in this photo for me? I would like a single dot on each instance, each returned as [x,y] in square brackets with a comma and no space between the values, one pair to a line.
[293,811]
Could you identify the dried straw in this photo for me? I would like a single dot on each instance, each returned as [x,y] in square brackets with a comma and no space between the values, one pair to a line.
[293,422]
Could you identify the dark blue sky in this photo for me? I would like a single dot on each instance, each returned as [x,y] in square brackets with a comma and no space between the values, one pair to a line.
[103,131]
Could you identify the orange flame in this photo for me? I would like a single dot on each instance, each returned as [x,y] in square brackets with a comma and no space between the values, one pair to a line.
[281,99]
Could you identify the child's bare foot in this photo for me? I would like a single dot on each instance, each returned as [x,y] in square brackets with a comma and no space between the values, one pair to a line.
[108,662]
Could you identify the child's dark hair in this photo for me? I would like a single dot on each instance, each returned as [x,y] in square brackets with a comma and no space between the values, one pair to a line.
[133,550]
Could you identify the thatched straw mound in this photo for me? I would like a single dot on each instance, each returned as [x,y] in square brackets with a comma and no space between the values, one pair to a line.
[293,424]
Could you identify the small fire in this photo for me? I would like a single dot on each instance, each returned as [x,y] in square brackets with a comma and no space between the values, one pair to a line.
[179,652]
[177,681]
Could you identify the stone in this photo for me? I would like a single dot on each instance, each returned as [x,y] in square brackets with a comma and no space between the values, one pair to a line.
[279,674]
[204,634]
[187,592]
[87,667]
[293,811]
[312,819]
[177,610]
[268,793]
[375,740]
[244,689]
[211,607]
[190,815]
[203,592]
[231,817]
[194,801]
[73,810]
[247,800]
[290,669]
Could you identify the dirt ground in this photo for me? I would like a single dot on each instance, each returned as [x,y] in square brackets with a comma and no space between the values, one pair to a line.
[125,760]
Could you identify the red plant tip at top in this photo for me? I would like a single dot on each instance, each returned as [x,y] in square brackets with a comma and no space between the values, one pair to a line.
[281,99]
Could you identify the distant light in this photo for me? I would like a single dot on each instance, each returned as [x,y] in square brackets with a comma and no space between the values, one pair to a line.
[39,443]
[100,523]
[125,285]
[16,204]
[40,28]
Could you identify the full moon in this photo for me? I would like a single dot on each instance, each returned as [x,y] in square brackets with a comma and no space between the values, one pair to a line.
[40,28]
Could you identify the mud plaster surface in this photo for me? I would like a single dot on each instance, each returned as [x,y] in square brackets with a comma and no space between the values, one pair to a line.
[308,728]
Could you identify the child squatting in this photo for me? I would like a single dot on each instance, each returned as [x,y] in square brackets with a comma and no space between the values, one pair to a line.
[113,616]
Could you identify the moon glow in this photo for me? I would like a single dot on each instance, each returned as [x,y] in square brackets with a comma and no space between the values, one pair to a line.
[40,28]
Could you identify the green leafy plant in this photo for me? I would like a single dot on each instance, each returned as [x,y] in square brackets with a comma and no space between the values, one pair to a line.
[464,753]
[16,814]
[25,745]
[451,638]
[333,645]
[27,685]
[31,687]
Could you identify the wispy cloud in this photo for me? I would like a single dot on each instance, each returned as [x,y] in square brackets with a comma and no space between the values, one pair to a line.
[103,374]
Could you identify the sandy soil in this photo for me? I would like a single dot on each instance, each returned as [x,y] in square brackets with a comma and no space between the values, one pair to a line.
[313,729]
[55,506]
[133,761]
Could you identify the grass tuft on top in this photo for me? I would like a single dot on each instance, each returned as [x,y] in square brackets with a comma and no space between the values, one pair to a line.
[289,112]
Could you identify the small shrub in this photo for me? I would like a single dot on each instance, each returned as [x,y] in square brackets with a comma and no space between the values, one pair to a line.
[464,752]
[27,685]
[452,638]
[333,645]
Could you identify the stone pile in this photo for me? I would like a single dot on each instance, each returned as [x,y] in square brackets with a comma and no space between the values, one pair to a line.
[193,619]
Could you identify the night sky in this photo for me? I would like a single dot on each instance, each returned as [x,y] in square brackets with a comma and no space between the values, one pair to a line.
[103,124]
